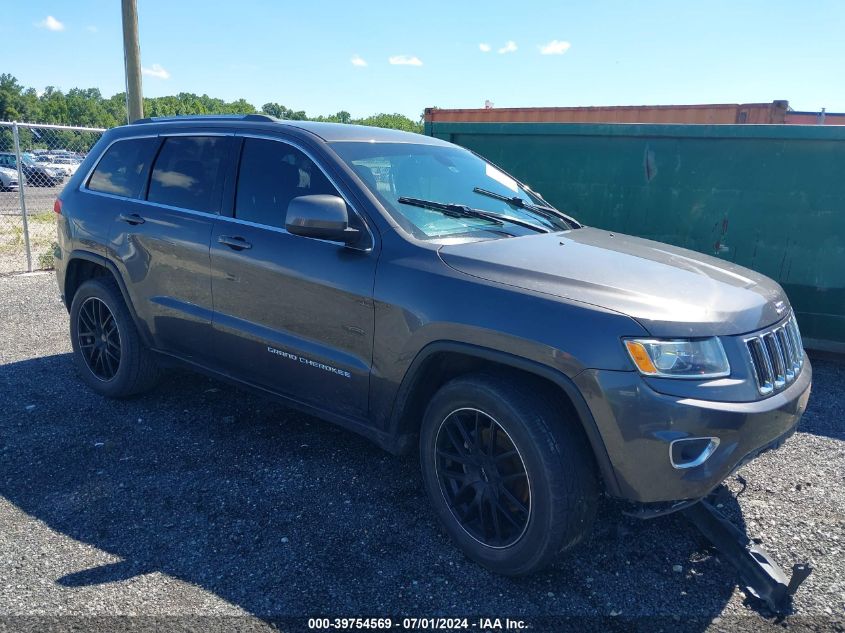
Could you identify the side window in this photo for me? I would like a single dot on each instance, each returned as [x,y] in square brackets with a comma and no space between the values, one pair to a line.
[272,174]
[123,169]
[189,172]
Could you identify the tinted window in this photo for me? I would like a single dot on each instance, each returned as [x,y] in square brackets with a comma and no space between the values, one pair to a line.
[124,167]
[271,175]
[188,172]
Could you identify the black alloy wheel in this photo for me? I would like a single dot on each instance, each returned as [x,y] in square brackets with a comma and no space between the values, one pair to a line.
[99,338]
[107,348]
[483,478]
[508,470]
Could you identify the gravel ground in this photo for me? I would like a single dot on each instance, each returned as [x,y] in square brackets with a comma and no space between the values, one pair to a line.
[202,507]
[38,200]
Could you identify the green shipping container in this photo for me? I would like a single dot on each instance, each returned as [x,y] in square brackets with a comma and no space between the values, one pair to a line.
[769,197]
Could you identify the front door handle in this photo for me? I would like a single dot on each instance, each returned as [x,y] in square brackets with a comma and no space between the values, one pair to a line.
[131,218]
[234,242]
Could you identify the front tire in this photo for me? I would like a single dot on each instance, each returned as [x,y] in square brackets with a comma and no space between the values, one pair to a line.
[511,479]
[107,350]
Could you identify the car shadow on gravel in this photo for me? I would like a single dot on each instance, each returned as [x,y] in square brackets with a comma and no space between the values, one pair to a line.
[285,515]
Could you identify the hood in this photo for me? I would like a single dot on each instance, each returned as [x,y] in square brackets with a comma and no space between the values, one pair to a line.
[671,291]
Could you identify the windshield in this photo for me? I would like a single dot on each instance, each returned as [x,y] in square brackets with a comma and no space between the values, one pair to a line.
[449,175]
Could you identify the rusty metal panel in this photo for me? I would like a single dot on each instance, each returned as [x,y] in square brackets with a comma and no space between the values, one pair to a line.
[705,114]
[815,118]
[770,197]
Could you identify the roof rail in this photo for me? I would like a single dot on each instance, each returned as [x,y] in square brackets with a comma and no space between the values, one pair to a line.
[209,117]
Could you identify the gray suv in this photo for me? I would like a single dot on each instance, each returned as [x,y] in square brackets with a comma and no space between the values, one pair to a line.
[408,290]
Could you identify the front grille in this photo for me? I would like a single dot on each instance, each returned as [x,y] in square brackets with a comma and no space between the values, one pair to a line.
[777,356]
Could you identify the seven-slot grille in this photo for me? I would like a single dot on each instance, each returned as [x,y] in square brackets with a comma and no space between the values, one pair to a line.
[777,356]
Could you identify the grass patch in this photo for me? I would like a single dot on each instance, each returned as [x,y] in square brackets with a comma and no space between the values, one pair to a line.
[47,259]
[42,237]
[45,216]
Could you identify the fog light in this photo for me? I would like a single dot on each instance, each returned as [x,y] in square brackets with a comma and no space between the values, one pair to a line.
[692,451]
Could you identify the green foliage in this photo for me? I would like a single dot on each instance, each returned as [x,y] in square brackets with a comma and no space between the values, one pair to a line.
[395,121]
[16,238]
[281,112]
[87,107]
[47,259]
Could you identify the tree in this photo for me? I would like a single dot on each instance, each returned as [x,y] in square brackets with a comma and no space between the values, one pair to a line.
[274,109]
[395,121]
[87,107]
[281,112]
[11,98]
[54,107]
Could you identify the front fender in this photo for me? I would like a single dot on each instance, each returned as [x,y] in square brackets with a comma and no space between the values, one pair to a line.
[402,427]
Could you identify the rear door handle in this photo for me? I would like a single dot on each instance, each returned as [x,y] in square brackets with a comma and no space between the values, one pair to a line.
[234,242]
[131,218]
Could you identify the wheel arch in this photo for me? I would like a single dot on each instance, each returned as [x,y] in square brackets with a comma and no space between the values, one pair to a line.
[441,361]
[83,265]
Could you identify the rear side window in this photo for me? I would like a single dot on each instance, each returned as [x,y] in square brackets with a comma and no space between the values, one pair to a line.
[189,173]
[272,174]
[123,169]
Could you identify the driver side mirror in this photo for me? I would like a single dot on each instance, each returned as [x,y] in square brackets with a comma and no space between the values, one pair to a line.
[323,217]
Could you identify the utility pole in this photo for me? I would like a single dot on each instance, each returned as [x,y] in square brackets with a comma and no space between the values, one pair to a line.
[132,59]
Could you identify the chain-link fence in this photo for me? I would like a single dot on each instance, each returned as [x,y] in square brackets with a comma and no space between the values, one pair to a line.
[35,163]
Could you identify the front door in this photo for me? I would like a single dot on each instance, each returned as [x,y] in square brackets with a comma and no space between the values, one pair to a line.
[291,314]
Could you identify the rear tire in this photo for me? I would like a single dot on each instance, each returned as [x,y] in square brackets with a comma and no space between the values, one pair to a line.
[107,350]
[478,435]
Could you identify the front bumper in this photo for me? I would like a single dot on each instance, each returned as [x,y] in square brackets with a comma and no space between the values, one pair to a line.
[637,426]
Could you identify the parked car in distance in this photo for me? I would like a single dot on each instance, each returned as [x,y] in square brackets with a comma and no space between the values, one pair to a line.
[36,175]
[63,164]
[67,163]
[8,179]
[406,289]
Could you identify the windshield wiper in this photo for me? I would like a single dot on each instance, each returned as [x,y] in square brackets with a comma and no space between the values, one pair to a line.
[463,211]
[549,213]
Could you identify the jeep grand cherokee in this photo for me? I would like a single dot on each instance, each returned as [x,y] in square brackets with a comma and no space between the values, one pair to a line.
[410,291]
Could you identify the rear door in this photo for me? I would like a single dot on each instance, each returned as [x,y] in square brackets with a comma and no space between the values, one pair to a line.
[117,183]
[162,241]
[292,314]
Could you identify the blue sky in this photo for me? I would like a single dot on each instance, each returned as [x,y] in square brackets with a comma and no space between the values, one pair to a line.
[300,53]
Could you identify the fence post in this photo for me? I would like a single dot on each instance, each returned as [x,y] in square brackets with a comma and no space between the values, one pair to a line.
[19,163]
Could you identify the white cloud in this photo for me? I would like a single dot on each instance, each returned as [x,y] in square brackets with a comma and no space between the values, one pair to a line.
[555,47]
[484,48]
[509,47]
[156,71]
[357,60]
[51,24]
[91,28]
[405,60]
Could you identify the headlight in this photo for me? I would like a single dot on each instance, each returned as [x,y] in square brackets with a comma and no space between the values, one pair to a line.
[51,172]
[679,358]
